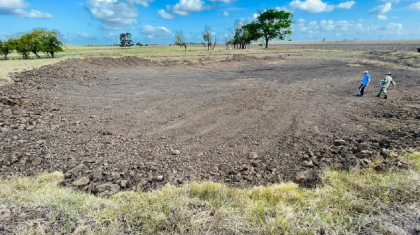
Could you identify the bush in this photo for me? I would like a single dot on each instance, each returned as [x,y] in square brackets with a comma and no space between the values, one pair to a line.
[36,41]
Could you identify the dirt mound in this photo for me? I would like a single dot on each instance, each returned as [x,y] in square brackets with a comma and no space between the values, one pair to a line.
[127,61]
[52,75]
[141,127]
[240,58]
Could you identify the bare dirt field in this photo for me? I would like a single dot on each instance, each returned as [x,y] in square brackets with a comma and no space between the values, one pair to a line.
[114,124]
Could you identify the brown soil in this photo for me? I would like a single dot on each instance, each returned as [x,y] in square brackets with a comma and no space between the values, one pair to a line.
[129,123]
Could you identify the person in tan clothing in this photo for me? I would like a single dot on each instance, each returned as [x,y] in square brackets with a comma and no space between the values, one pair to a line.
[385,84]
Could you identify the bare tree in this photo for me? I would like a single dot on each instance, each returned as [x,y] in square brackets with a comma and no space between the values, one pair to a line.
[180,40]
[228,40]
[207,36]
[215,41]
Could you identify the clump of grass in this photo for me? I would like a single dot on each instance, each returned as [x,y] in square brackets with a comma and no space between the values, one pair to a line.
[350,202]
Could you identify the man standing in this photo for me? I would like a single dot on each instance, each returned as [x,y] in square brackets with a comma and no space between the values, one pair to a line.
[385,84]
[365,83]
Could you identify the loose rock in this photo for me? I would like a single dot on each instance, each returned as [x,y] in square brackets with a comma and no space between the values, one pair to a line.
[81,182]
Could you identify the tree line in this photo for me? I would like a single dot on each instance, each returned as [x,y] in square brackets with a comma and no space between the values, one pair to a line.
[36,41]
[268,25]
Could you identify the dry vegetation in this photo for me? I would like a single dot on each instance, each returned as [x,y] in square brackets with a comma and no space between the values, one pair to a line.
[355,202]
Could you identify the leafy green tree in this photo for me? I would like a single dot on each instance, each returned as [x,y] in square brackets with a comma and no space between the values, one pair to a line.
[6,47]
[207,36]
[125,40]
[21,45]
[271,24]
[242,36]
[36,41]
[32,40]
[139,44]
[51,43]
[180,40]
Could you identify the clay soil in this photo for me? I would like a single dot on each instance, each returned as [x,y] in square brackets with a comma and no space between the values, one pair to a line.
[128,123]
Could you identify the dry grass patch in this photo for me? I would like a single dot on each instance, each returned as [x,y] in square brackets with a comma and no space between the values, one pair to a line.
[350,203]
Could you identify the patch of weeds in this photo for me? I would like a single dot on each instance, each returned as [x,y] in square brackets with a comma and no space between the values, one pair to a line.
[351,202]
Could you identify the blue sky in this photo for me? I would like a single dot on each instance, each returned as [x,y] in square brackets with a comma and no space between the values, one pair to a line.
[156,21]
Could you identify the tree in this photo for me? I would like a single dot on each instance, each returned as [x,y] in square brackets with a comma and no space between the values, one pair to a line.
[125,40]
[271,24]
[6,47]
[21,45]
[242,34]
[250,33]
[139,44]
[214,44]
[51,43]
[180,40]
[228,40]
[207,36]
[34,40]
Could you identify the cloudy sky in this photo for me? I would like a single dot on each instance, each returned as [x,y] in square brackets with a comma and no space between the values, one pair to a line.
[156,21]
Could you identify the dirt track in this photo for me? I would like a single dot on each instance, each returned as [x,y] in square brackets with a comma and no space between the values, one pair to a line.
[128,123]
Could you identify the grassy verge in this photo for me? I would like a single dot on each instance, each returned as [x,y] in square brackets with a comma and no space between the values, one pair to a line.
[350,202]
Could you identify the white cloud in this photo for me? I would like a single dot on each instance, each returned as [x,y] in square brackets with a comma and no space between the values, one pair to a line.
[415,6]
[382,17]
[225,1]
[300,21]
[186,7]
[85,35]
[153,32]
[144,3]
[312,6]
[346,5]
[396,1]
[111,35]
[165,15]
[326,28]
[394,28]
[13,4]
[381,9]
[360,20]
[15,7]
[115,14]
[255,15]
[226,14]
[282,9]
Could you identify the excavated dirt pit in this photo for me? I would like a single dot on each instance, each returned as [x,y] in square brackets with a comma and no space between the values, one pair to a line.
[128,123]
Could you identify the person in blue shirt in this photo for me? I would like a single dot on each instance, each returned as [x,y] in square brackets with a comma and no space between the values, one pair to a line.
[365,83]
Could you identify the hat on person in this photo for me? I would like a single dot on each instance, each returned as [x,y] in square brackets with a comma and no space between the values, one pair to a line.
[366,71]
[389,73]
